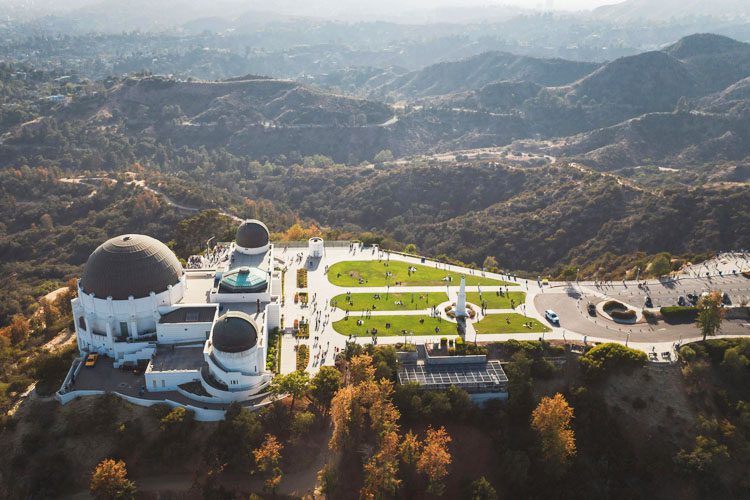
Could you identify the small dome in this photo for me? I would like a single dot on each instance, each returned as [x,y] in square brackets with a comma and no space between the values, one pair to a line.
[244,280]
[234,332]
[252,234]
[130,265]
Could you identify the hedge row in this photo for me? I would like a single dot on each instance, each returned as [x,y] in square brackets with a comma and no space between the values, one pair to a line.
[679,313]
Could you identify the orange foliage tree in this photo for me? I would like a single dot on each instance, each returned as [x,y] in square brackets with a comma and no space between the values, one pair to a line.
[268,460]
[435,458]
[110,481]
[551,419]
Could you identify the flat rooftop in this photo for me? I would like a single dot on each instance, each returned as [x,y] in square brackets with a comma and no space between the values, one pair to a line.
[190,314]
[473,377]
[261,261]
[168,358]
[199,285]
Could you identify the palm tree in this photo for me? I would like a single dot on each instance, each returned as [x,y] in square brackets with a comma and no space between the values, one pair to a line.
[710,314]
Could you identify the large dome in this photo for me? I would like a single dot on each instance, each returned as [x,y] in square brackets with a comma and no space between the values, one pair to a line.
[130,265]
[234,332]
[252,234]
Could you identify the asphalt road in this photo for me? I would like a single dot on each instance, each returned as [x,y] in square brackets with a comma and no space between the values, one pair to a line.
[570,306]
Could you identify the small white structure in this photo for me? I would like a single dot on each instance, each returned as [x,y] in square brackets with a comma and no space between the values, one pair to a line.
[461,300]
[316,248]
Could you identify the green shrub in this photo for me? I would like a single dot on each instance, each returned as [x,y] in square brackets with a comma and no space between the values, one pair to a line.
[679,313]
[628,315]
[609,358]
[687,353]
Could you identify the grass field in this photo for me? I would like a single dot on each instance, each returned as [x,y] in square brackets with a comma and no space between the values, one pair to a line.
[372,272]
[508,323]
[410,301]
[410,323]
[496,301]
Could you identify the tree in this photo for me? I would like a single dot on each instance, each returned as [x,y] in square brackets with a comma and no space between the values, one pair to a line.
[611,357]
[361,369]
[710,314]
[481,489]
[569,273]
[18,329]
[551,419]
[435,459]
[296,384]
[383,156]
[661,265]
[324,385]
[110,481]
[490,263]
[268,459]
[411,248]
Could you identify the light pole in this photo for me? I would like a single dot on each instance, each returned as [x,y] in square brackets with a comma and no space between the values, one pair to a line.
[637,274]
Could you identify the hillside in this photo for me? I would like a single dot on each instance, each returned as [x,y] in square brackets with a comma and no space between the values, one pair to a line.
[259,116]
[476,72]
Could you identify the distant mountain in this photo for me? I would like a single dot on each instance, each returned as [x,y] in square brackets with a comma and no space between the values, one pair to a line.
[476,72]
[258,116]
[626,88]
[661,10]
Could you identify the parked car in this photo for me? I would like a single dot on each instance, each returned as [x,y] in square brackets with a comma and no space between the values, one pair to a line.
[591,308]
[649,303]
[552,317]
[681,301]
[91,359]
[726,300]
[692,298]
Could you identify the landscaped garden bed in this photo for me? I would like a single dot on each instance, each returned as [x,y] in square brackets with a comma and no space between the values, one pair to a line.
[303,330]
[274,348]
[619,312]
[303,357]
[301,278]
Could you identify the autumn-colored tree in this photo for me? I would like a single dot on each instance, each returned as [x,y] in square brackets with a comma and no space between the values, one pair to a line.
[50,313]
[410,449]
[710,314]
[361,369]
[18,329]
[551,419]
[268,461]
[110,481]
[490,263]
[435,458]
[381,471]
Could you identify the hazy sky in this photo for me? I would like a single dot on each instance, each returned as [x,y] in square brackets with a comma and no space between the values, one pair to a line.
[557,4]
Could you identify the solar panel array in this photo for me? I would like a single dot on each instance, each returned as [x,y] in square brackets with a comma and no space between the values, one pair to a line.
[478,376]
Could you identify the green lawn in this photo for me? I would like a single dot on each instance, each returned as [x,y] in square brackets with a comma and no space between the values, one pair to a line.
[410,323]
[499,323]
[495,301]
[372,272]
[388,302]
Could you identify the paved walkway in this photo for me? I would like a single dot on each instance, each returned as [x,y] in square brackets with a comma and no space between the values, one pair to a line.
[566,297]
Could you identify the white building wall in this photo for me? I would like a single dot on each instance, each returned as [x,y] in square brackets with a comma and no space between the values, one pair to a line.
[105,316]
[273,316]
[173,333]
[158,381]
